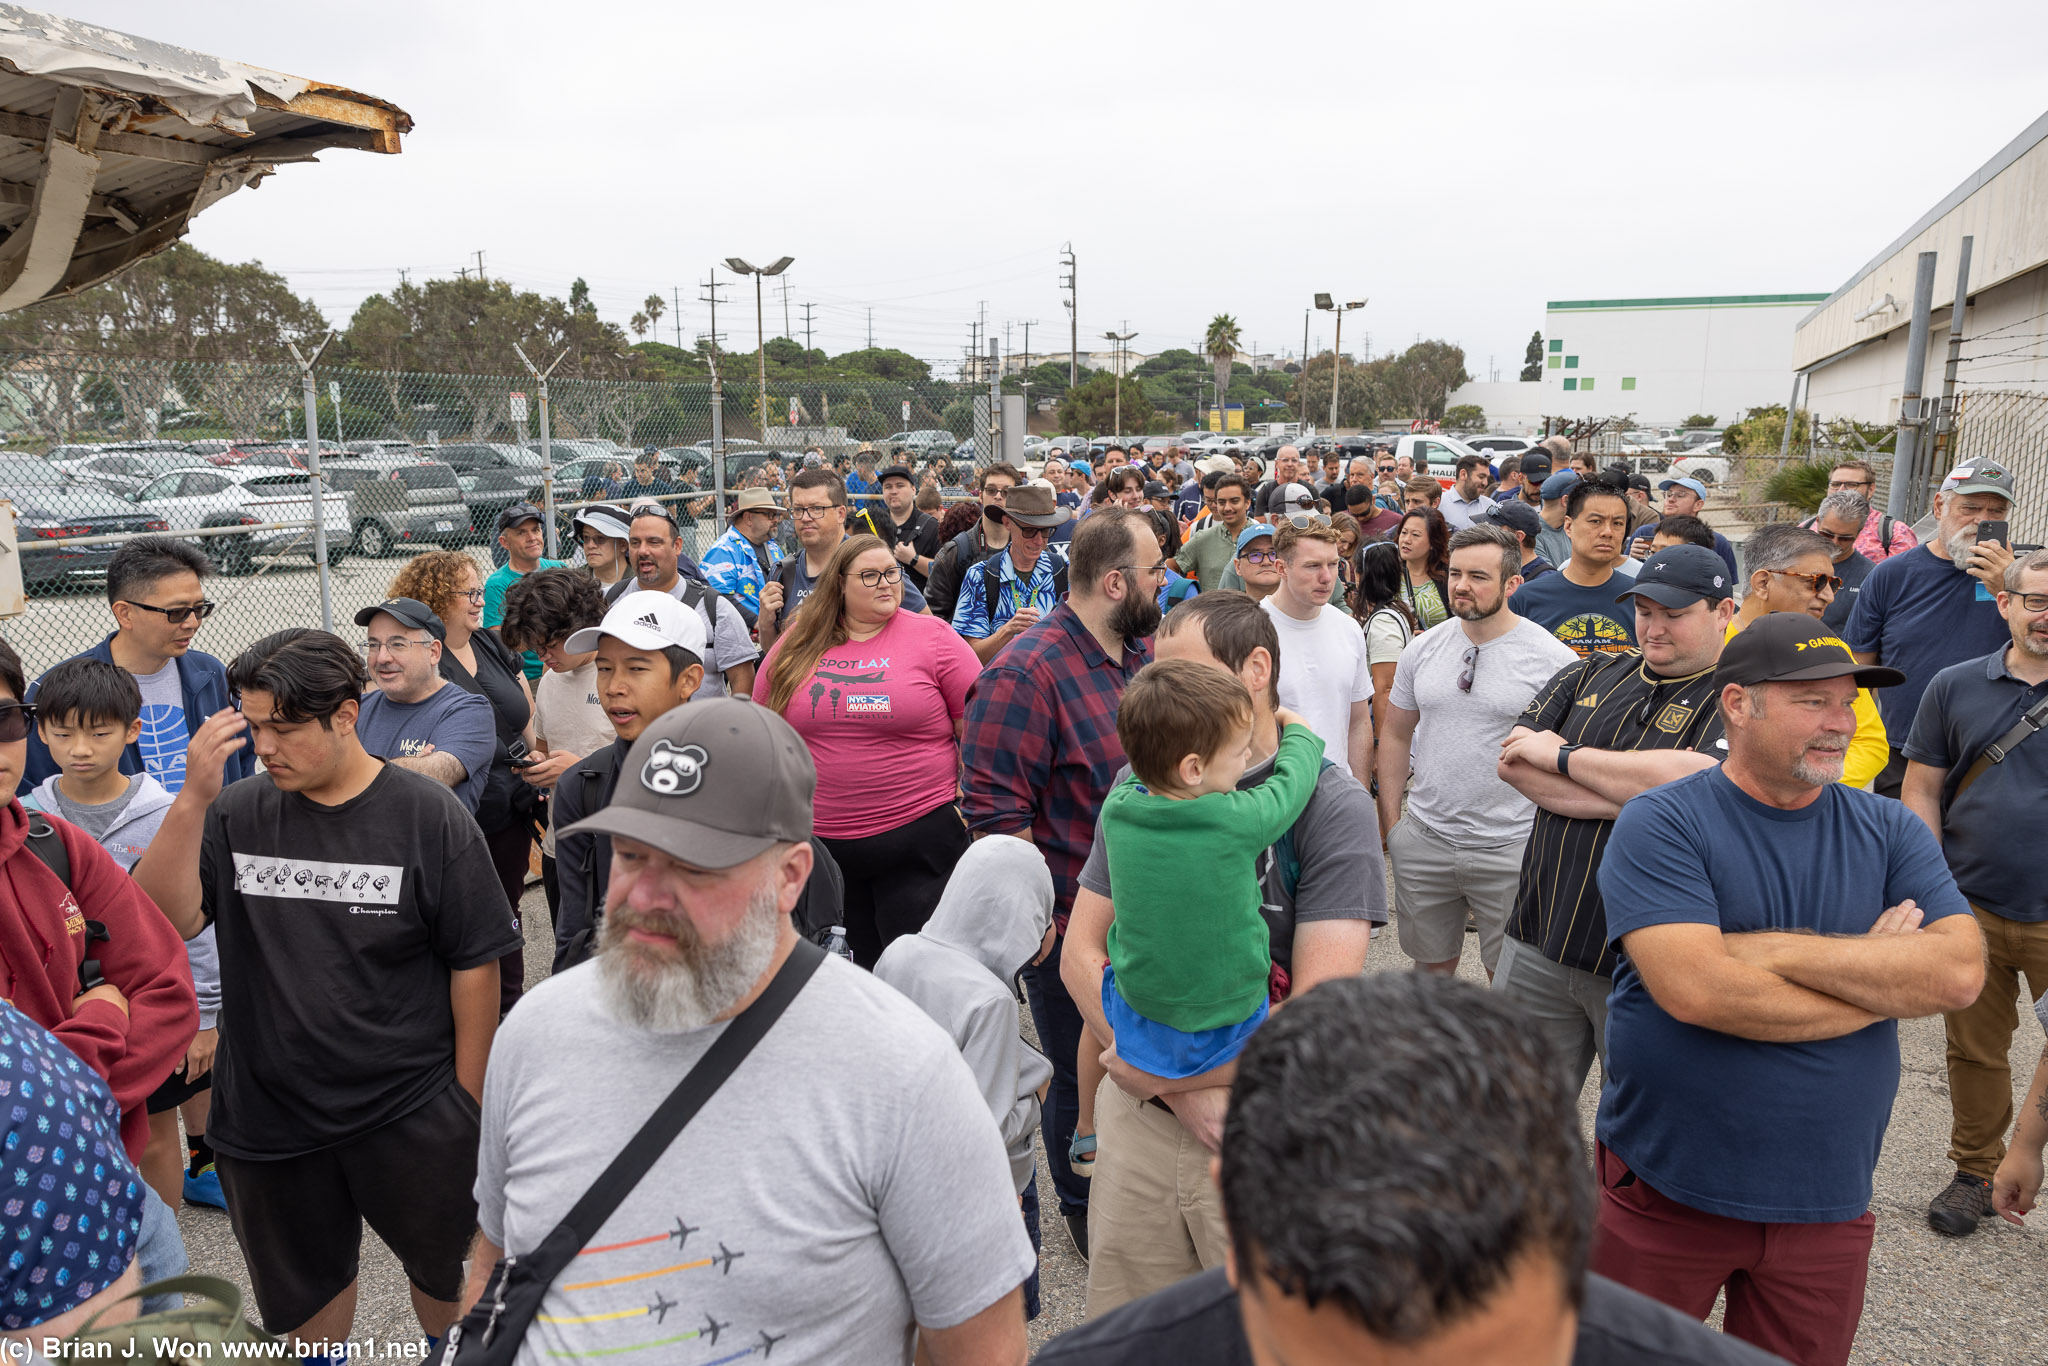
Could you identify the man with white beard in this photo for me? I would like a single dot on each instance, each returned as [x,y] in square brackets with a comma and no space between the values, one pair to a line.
[842,1196]
[1936,605]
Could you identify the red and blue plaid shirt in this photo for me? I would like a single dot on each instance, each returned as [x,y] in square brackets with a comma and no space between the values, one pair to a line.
[1040,749]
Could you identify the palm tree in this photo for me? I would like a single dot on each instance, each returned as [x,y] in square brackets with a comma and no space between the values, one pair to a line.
[1220,343]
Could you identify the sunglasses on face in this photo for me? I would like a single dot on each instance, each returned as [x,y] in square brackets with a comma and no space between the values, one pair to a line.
[15,720]
[1813,582]
[176,616]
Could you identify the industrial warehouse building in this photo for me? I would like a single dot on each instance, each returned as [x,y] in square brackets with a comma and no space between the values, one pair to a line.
[1851,350]
[1663,360]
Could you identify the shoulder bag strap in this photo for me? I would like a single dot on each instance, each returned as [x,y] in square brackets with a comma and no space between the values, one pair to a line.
[2033,720]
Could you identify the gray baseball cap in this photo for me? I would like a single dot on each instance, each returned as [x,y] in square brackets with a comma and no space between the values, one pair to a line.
[712,784]
[1979,476]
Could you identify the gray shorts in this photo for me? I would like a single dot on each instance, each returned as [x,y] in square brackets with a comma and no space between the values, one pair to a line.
[1437,885]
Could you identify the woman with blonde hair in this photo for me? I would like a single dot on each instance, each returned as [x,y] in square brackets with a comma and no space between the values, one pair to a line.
[879,695]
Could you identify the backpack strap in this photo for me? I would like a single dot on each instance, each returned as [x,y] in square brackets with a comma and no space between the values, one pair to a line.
[46,844]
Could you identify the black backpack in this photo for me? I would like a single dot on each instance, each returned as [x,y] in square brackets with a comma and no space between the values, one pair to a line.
[694,595]
[992,588]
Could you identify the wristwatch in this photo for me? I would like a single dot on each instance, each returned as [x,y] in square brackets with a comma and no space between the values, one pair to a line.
[1564,759]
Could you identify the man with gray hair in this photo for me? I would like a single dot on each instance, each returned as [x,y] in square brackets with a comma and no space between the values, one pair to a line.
[803,1165]
[1840,522]
[1973,767]
[415,718]
[1791,570]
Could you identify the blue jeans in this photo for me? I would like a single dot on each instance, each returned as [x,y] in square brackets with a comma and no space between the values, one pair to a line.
[1059,1027]
[160,1248]
[1030,1208]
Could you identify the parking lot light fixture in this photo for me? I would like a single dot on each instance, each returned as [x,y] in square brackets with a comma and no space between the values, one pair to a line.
[1330,305]
[775,267]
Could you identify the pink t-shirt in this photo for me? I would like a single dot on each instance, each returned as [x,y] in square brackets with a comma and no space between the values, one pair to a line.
[878,716]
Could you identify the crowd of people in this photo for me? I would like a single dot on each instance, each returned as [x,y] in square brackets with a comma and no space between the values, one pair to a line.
[1159,751]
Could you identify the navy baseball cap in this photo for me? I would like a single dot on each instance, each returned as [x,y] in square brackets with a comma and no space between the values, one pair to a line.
[1681,575]
[518,514]
[1558,485]
[1515,515]
[1536,465]
[406,612]
[1787,647]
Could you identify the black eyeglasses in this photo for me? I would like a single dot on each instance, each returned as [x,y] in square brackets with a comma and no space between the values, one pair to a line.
[15,719]
[875,578]
[1471,669]
[177,616]
[2032,602]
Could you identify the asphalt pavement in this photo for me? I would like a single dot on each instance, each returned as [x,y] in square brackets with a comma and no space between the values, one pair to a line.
[1958,1302]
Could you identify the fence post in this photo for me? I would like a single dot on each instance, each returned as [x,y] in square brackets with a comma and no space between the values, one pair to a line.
[1904,502]
[312,401]
[1791,412]
[547,453]
[717,442]
[1945,416]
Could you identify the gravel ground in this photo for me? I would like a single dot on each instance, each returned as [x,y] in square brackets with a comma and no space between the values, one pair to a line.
[1959,1302]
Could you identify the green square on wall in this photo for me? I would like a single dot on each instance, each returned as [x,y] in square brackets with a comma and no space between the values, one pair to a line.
[1556,345]
[1555,361]
[1628,381]
[1586,383]
[1571,362]
[1571,384]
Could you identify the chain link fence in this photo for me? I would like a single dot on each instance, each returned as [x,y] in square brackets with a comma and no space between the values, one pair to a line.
[95,450]
[2010,427]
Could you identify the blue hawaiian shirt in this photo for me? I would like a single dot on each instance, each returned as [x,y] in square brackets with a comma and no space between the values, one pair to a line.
[733,567]
[970,611]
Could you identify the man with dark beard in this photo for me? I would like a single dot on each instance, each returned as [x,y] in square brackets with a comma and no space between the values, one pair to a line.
[1774,924]
[850,1153]
[1039,754]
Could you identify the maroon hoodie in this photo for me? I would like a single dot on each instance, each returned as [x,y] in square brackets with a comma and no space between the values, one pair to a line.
[42,942]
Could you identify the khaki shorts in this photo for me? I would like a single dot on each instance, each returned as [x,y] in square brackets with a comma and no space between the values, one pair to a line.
[1437,885]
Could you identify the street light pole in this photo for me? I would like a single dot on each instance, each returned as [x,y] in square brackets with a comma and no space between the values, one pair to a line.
[1325,302]
[760,327]
[1119,338]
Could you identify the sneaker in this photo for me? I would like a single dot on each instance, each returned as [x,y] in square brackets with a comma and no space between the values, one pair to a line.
[204,1189]
[1077,1232]
[1959,1205]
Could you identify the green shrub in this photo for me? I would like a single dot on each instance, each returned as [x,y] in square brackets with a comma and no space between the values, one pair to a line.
[1802,484]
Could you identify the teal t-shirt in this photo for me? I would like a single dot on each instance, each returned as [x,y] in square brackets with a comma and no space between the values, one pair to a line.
[501,579]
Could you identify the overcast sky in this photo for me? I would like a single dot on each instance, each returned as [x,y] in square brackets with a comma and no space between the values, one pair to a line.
[1457,164]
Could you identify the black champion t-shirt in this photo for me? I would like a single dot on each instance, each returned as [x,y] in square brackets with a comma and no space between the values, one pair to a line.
[338,927]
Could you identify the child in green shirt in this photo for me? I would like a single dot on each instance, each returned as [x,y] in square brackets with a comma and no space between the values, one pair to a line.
[1189,954]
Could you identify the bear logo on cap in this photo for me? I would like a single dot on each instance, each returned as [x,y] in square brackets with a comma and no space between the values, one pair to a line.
[673,772]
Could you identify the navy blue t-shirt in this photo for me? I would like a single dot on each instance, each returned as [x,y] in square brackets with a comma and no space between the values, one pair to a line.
[1852,572]
[1587,619]
[1768,1132]
[1920,614]
[1967,707]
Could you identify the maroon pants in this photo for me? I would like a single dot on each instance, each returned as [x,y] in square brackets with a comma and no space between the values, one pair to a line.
[1793,1289]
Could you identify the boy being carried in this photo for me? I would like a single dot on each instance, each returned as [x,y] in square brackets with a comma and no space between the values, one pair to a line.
[1189,952]
[90,712]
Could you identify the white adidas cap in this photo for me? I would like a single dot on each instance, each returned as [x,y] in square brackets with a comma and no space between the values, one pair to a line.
[645,620]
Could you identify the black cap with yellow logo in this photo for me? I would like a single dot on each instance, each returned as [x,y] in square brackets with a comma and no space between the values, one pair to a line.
[1787,647]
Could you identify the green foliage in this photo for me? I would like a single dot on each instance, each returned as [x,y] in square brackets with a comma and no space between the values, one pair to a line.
[1220,344]
[1762,432]
[1800,483]
[1701,420]
[958,417]
[885,362]
[1465,417]
[1532,358]
[1166,362]
[1091,406]
[1359,395]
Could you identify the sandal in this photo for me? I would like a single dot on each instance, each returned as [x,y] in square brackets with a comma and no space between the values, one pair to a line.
[1081,1155]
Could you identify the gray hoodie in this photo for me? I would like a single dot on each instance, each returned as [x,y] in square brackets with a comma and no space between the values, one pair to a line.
[125,840]
[961,968]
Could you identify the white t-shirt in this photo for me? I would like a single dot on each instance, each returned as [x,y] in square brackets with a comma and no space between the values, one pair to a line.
[567,715]
[1323,670]
[1387,634]
[1457,791]
[846,1181]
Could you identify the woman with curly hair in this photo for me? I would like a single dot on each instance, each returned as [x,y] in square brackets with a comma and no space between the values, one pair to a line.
[476,661]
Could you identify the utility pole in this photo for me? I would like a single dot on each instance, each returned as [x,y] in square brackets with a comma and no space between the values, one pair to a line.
[710,296]
[807,326]
[787,331]
[676,312]
[1945,418]
[1907,477]
[319,485]
[1027,325]
[1073,315]
[871,329]
[1120,338]
[479,265]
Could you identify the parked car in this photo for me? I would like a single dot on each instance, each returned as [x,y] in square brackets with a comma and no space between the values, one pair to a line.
[203,496]
[494,476]
[390,450]
[1493,447]
[124,472]
[1704,463]
[50,507]
[400,502]
[1435,453]
[924,441]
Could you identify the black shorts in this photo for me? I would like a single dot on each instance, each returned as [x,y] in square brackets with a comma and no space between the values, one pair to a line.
[299,1220]
[176,1091]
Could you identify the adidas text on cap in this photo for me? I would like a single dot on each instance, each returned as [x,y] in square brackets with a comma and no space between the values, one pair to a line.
[646,620]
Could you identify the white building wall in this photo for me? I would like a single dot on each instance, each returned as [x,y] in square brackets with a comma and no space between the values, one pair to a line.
[1512,407]
[1667,359]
